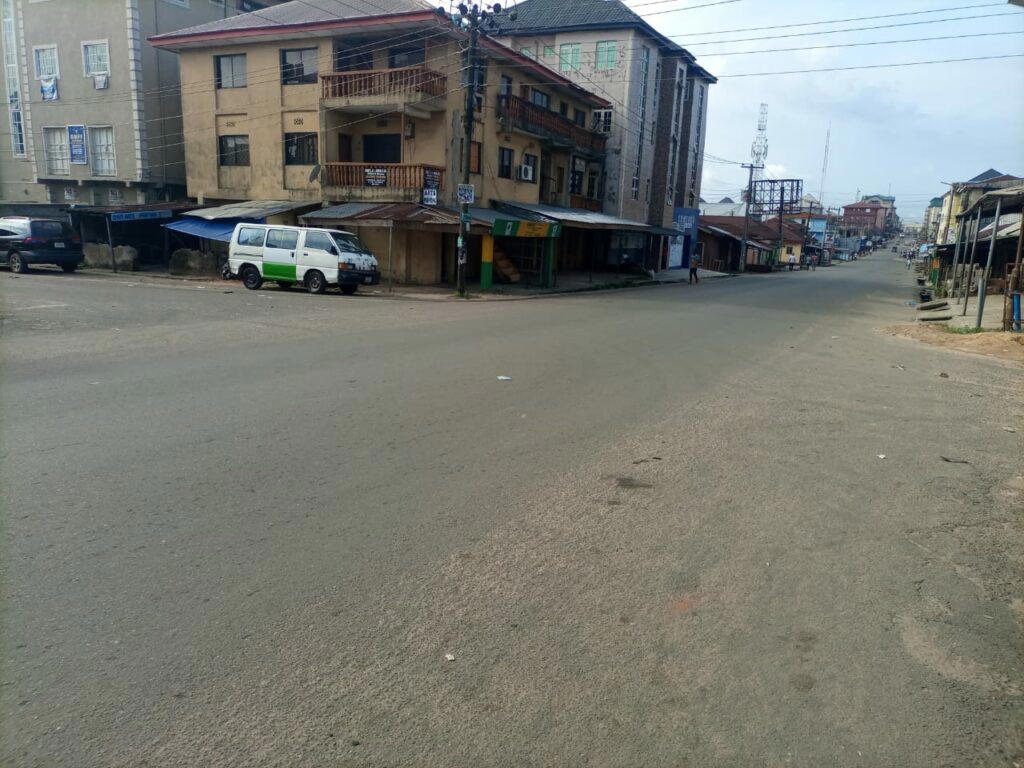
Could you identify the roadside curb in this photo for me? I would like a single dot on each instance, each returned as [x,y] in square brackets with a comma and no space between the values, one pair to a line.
[217,283]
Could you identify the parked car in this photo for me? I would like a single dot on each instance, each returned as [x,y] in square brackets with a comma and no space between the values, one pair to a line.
[26,241]
[315,258]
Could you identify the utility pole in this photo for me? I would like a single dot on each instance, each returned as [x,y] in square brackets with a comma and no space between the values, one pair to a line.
[475,18]
[746,215]
[474,31]
[988,264]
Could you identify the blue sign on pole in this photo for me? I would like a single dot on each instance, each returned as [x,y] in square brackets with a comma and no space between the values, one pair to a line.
[79,154]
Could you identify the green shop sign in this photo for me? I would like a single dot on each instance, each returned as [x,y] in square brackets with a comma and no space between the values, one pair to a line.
[520,228]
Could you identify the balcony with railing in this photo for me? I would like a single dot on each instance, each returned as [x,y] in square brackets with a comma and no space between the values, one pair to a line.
[533,119]
[586,203]
[366,89]
[393,182]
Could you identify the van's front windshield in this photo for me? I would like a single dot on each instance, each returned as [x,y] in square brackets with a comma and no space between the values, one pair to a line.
[349,243]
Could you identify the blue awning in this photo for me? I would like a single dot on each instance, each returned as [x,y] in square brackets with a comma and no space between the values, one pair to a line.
[209,230]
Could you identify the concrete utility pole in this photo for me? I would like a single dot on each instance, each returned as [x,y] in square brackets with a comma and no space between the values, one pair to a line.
[974,247]
[956,257]
[988,264]
[475,18]
[746,215]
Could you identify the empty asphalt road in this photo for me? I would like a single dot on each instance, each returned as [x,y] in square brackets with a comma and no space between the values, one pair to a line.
[274,529]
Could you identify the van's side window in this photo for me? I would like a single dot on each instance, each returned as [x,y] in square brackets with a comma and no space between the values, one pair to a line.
[319,241]
[251,236]
[282,238]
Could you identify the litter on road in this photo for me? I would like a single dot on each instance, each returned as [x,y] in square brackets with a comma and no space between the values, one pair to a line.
[449,657]
[504,378]
[881,455]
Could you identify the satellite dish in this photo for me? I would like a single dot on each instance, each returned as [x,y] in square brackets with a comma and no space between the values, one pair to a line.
[315,173]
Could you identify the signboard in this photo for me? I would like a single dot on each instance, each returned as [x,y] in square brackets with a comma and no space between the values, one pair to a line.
[681,247]
[431,179]
[465,218]
[375,177]
[78,153]
[467,194]
[430,196]
[70,194]
[520,228]
[141,215]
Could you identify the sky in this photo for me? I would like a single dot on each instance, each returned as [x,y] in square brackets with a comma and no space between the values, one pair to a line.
[901,131]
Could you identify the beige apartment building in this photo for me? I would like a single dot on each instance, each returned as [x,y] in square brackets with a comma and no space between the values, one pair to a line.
[313,115]
[93,110]
[346,107]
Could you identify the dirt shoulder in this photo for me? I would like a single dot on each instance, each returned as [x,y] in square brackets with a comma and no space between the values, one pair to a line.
[1003,345]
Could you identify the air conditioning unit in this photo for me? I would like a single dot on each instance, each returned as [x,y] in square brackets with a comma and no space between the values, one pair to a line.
[100,82]
[526,172]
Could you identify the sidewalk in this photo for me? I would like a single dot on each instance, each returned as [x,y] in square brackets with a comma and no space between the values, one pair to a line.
[574,282]
[992,317]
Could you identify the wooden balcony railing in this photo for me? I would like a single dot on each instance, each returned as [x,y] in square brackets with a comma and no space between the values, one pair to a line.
[387,175]
[530,117]
[403,81]
[586,203]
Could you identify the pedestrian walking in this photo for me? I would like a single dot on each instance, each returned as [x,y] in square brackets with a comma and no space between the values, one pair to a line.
[792,261]
[694,264]
[909,261]
[814,261]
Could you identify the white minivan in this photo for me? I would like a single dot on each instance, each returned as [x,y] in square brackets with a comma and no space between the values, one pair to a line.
[312,257]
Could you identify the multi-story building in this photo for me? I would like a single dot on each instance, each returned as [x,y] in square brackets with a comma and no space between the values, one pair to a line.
[891,222]
[962,195]
[930,222]
[93,111]
[343,103]
[863,219]
[657,120]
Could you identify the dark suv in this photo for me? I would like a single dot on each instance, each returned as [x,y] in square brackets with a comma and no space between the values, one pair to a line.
[25,241]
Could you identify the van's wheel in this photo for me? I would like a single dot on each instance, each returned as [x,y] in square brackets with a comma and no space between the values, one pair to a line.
[69,267]
[348,290]
[315,282]
[284,285]
[251,278]
[16,263]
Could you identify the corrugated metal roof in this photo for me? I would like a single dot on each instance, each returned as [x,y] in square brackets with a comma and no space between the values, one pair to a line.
[174,205]
[1011,197]
[300,12]
[249,209]
[578,216]
[488,216]
[407,213]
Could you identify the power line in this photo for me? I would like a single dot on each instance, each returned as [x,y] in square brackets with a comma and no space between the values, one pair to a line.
[852,29]
[875,66]
[855,45]
[843,21]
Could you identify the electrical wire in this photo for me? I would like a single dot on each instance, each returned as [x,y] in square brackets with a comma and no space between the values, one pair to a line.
[843,21]
[852,29]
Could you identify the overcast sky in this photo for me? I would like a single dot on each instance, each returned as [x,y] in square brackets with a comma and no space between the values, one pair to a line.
[905,128]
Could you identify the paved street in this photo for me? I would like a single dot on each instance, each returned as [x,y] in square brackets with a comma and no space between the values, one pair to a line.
[245,529]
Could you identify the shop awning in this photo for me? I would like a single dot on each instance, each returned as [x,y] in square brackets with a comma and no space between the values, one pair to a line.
[414,215]
[209,230]
[249,210]
[581,218]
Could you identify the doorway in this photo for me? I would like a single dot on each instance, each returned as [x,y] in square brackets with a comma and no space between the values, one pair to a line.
[344,148]
[382,148]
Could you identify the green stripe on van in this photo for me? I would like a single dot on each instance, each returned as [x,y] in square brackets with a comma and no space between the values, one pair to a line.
[272,271]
